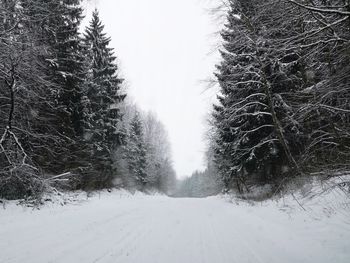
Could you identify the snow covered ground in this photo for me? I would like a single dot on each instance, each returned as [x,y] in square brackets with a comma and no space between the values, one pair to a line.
[119,227]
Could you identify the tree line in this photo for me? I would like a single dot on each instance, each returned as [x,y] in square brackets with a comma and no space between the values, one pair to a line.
[284,103]
[62,107]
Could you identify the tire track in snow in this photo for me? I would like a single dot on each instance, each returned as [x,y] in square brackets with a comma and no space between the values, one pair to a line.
[158,229]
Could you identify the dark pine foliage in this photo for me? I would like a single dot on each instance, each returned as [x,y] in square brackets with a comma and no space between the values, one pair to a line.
[102,96]
[283,104]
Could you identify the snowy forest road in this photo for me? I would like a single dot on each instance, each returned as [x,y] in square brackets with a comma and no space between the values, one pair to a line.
[152,229]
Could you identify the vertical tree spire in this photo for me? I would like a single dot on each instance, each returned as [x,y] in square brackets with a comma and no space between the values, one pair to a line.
[102,95]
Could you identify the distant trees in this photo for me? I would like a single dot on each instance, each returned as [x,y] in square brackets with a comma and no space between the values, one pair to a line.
[147,162]
[159,164]
[283,104]
[202,183]
[199,184]
[136,153]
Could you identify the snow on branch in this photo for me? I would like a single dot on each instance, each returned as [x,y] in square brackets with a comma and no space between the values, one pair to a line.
[321,10]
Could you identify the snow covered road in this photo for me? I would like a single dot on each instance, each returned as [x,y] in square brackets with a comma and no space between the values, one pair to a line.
[150,229]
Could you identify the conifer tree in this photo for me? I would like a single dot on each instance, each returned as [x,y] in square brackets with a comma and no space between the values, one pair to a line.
[28,133]
[243,105]
[102,96]
[62,33]
[57,25]
[136,153]
[255,131]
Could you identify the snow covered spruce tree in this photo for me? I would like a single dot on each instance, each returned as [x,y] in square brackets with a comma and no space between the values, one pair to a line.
[256,136]
[136,153]
[52,144]
[59,31]
[325,112]
[44,38]
[102,95]
[32,140]
[68,74]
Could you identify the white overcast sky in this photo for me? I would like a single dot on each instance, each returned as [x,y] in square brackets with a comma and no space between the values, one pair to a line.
[164,48]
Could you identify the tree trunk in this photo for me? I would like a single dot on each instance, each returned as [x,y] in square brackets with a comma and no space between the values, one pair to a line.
[278,127]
